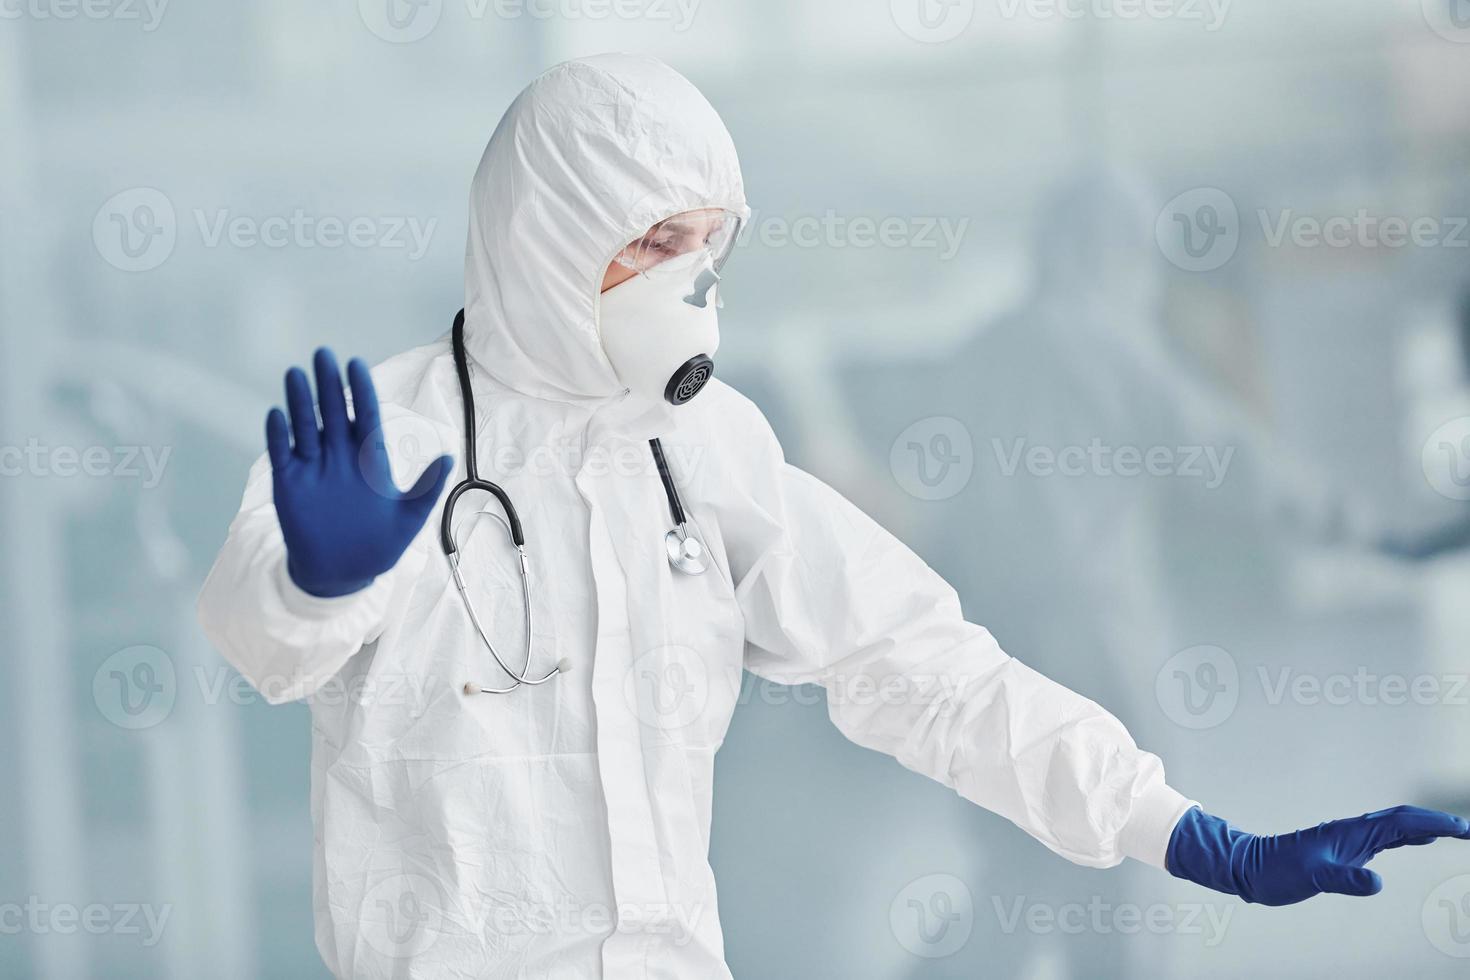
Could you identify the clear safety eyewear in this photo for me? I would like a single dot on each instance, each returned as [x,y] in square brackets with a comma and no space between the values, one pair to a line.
[682,242]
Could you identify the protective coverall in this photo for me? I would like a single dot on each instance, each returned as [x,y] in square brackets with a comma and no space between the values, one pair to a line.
[563,830]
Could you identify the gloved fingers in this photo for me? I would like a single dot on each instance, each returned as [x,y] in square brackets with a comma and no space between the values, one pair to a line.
[424,494]
[1346,879]
[330,397]
[365,419]
[303,414]
[277,438]
[1401,824]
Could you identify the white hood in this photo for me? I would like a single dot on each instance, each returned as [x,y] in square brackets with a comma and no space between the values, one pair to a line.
[590,155]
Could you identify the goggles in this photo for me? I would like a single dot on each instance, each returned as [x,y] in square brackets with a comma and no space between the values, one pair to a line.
[688,237]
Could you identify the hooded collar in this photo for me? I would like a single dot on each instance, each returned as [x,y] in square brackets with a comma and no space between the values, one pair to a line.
[589,156]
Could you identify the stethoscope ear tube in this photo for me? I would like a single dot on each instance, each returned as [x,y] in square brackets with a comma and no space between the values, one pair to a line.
[513,520]
[472,479]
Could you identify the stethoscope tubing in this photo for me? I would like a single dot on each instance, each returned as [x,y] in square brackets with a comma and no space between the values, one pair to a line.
[678,558]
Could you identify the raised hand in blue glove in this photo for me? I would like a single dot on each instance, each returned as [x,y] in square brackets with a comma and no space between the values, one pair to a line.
[1289,868]
[344,521]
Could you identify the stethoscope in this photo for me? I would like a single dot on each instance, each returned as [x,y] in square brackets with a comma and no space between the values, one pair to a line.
[685,552]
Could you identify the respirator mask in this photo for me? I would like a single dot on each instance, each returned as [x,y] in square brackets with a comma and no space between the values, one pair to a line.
[660,328]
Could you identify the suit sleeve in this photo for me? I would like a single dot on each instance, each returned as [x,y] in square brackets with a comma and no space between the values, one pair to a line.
[830,597]
[286,642]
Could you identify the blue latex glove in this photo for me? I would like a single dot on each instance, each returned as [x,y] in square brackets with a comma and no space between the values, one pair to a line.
[1290,868]
[344,521]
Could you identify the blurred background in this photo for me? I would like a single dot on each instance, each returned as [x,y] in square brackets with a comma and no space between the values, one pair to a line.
[1145,324]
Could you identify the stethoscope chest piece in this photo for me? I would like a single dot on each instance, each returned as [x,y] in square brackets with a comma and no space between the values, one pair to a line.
[686,554]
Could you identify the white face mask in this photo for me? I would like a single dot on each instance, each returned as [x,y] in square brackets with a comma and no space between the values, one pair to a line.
[660,329]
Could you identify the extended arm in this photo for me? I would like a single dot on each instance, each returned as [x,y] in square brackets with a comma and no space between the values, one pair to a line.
[830,597]
[315,560]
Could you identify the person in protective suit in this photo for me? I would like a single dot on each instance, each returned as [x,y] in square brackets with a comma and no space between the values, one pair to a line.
[561,829]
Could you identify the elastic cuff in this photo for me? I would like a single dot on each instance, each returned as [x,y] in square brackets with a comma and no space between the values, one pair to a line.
[301,603]
[1145,837]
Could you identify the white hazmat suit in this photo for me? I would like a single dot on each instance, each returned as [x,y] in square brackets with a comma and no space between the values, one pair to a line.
[563,830]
